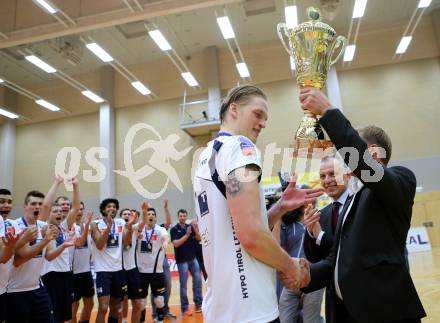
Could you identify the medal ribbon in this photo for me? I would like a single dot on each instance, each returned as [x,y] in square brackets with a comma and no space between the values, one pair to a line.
[146,235]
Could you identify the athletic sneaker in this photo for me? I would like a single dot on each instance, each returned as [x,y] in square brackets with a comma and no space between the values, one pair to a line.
[198,309]
[170,316]
[187,312]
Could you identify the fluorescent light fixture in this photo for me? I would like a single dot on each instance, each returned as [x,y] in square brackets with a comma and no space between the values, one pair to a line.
[40,64]
[47,105]
[49,7]
[349,53]
[291,16]
[2,80]
[359,8]
[100,52]
[292,63]
[189,78]
[424,3]
[225,27]
[243,70]
[403,45]
[8,114]
[141,88]
[160,40]
[92,96]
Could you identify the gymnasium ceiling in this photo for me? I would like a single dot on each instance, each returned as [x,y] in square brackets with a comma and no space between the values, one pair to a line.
[189,25]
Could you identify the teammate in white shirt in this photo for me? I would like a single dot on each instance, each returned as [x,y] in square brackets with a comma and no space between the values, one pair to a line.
[108,240]
[27,299]
[8,240]
[239,251]
[57,271]
[65,204]
[83,285]
[152,243]
[131,273]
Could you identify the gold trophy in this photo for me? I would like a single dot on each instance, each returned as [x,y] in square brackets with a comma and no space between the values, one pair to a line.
[311,45]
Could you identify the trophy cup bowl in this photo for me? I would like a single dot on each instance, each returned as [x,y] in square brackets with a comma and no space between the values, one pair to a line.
[312,45]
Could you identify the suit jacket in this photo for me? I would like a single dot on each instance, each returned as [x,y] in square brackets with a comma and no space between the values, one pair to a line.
[374,281]
[314,252]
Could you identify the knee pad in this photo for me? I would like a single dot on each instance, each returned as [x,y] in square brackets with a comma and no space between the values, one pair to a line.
[159,301]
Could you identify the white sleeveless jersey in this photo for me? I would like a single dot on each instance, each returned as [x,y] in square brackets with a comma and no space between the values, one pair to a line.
[110,257]
[27,276]
[129,253]
[81,255]
[5,227]
[61,263]
[150,258]
[240,288]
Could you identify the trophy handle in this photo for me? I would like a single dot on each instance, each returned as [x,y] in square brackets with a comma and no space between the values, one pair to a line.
[340,40]
[280,28]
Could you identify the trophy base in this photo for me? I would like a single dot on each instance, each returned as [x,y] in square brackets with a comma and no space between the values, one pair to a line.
[312,148]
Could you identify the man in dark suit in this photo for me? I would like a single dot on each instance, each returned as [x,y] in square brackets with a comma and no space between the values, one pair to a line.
[366,266]
[321,225]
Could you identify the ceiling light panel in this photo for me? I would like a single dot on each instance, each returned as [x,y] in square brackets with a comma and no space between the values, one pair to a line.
[141,88]
[8,114]
[243,70]
[159,39]
[291,16]
[225,27]
[424,3]
[47,6]
[40,64]
[359,8]
[403,45]
[47,105]
[99,52]
[189,78]
[349,53]
[92,96]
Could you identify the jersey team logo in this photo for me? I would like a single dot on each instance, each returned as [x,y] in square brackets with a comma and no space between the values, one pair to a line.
[247,147]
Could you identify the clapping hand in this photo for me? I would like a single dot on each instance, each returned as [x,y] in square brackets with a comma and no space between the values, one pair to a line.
[50,232]
[9,240]
[70,241]
[311,220]
[30,234]
[293,198]
[86,220]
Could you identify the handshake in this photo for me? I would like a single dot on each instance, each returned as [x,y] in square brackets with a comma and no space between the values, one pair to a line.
[296,274]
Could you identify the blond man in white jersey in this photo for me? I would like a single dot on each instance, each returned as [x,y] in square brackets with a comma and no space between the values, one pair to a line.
[239,250]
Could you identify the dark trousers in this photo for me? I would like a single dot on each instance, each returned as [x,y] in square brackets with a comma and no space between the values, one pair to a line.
[343,316]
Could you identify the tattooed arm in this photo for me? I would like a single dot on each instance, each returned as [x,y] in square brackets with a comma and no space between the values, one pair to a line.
[243,198]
